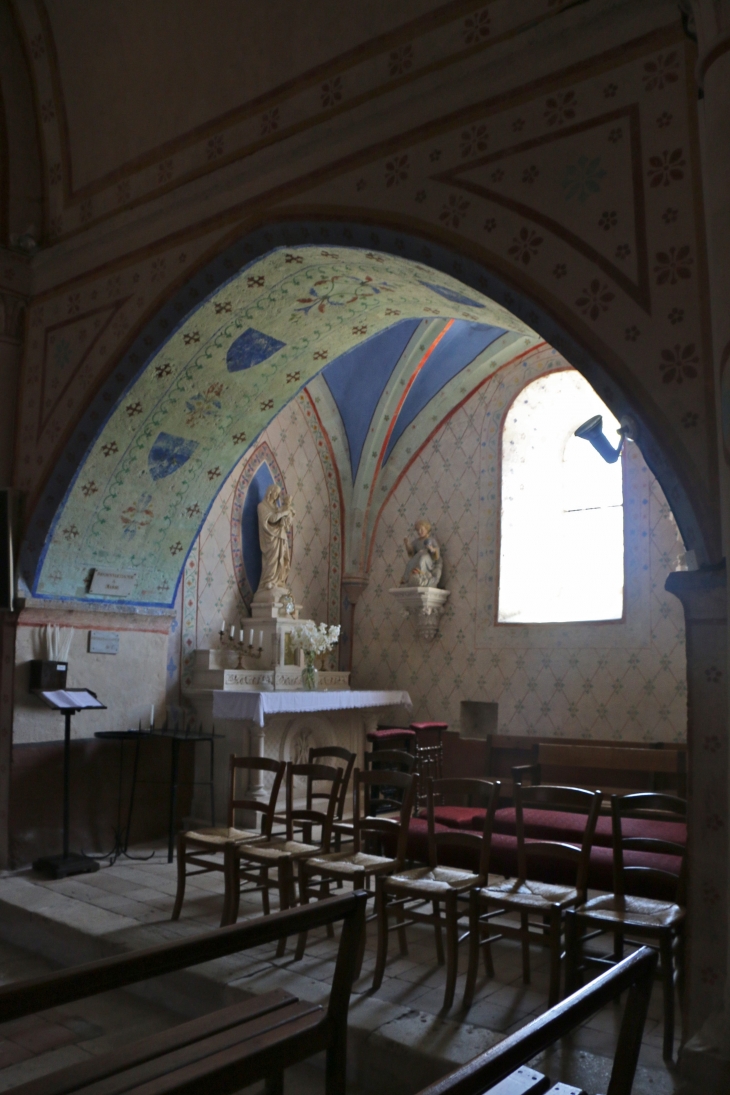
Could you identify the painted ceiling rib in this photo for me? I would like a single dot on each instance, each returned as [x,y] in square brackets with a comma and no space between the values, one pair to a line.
[175,434]
[457,350]
[357,378]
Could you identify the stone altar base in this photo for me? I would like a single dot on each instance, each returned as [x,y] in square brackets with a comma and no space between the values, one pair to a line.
[288,736]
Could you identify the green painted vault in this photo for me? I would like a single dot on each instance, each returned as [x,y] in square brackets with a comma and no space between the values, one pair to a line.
[394,345]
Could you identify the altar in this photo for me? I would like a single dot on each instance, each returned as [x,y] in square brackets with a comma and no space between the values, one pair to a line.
[256,686]
[285,726]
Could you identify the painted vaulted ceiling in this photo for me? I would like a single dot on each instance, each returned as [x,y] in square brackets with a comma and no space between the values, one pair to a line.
[379,403]
[387,348]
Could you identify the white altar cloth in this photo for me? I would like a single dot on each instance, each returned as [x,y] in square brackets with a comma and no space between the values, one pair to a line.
[257,705]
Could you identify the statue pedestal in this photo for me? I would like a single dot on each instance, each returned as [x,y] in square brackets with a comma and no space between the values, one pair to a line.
[424,605]
[274,603]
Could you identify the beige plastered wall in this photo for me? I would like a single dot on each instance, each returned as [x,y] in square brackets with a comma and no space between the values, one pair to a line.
[128,682]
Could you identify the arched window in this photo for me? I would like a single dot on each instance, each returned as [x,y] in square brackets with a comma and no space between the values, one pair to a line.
[562,527]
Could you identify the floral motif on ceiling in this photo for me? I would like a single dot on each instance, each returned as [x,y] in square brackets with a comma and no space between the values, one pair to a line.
[203,398]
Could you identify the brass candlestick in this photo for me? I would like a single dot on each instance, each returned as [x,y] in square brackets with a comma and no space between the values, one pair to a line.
[244,649]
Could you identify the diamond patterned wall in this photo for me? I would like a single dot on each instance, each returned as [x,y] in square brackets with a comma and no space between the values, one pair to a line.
[211,586]
[624,680]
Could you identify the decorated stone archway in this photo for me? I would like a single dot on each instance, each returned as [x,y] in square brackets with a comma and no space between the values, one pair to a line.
[259,323]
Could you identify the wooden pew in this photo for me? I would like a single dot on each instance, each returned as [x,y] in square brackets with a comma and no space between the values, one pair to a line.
[487,1073]
[613,769]
[224,1050]
[495,757]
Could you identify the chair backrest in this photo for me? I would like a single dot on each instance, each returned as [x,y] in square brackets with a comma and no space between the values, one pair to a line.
[321,773]
[470,792]
[364,822]
[266,809]
[337,752]
[386,798]
[566,799]
[651,807]
[390,760]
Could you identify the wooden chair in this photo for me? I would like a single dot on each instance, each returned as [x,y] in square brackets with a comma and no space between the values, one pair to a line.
[380,800]
[406,892]
[546,899]
[429,756]
[359,865]
[221,1051]
[252,862]
[321,755]
[392,737]
[193,845]
[648,918]
[389,760]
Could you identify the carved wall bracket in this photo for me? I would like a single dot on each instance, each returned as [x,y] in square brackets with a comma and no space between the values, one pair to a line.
[424,605]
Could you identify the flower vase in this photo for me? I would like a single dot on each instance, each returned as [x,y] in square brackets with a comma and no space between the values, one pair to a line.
[309,674]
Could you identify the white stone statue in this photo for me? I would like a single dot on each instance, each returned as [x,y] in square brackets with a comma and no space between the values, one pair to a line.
[424,564]
[276,517]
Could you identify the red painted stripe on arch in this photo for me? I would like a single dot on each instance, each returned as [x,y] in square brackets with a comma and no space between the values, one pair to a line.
[457,407]
[398,409]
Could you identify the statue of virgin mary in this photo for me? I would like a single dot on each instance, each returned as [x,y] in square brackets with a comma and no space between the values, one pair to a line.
[276,518]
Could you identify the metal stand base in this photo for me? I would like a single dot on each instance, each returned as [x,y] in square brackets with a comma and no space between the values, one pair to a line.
[61,866]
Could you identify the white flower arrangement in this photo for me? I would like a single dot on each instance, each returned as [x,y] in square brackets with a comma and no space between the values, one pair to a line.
[315,638]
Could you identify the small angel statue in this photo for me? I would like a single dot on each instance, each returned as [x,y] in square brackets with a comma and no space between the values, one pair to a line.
[424,564]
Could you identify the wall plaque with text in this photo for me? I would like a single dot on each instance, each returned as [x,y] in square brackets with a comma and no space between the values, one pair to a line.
[103,642]
[113,583]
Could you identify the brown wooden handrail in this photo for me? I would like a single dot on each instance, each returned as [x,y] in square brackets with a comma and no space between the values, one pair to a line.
[635,973]
[52,990]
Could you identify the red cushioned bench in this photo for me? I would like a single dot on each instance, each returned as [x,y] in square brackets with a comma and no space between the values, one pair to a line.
[575,762]
[551,825]
[555,825]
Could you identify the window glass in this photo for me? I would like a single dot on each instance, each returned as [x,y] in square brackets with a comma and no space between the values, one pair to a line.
[562,527]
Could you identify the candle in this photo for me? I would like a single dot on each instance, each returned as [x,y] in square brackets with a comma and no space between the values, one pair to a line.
[240,633]
[223,626]
[250,636]
[152,716]
[233,631]
[261,640]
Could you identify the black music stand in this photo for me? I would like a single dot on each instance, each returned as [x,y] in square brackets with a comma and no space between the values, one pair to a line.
[69,701]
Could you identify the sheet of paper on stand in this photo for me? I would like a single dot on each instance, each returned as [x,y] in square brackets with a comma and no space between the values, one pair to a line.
[63,699]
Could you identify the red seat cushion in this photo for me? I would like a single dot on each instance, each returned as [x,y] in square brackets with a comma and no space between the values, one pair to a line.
[417,847]
[503,857]
[600,873]
[389,733]
[503,860]
[458,817]
[563,826]
[429,726]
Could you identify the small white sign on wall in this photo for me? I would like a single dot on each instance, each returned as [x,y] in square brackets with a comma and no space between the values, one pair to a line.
[103,642]
[113,583]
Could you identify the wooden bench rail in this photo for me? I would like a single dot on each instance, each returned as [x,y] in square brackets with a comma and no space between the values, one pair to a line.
[268,1011]
[635,973]
[595,766]
[616,757]
[52,990]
